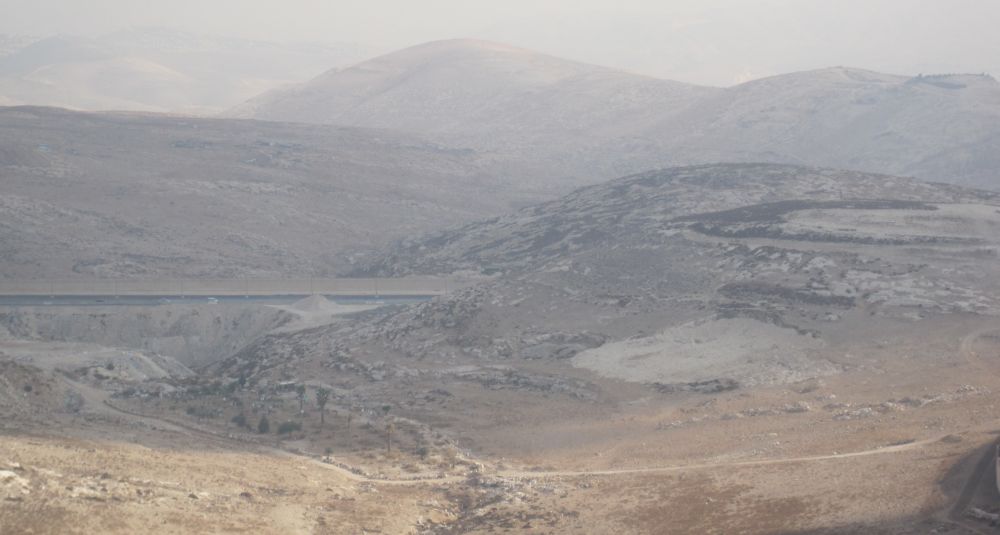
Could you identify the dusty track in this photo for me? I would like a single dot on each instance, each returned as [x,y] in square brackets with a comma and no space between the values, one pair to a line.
[956,515]
[732,464]
[525,474]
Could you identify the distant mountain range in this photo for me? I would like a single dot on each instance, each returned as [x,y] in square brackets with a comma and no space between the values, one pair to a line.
[571,122]
[585,123]
[10,44]
[415,141]
[153,69]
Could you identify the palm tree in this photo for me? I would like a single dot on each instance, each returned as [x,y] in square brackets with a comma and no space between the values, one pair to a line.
[322,396]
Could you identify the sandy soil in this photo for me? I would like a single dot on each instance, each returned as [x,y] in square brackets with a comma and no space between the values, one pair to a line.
[741,348]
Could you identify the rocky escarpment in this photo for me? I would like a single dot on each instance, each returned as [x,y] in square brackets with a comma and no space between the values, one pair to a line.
[194,335]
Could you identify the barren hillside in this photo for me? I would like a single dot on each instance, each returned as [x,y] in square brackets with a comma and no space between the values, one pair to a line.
[704,315]
[711,277]
[668,349]
[151,196]
[702,279]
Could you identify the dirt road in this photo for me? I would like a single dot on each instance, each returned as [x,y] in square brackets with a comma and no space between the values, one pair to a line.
[354,475]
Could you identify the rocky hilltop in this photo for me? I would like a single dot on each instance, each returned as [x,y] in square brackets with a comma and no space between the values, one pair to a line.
[653,209]
[702,279]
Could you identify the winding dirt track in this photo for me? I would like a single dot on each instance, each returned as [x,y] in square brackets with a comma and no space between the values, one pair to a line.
[524,474]
[730,464]
[965,347]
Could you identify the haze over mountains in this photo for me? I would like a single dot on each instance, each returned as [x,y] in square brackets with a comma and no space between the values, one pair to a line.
[680,309]
[155,69]
[454,118]
[509,102]
[588,123]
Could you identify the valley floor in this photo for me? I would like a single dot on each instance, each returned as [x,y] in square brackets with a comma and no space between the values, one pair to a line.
[109,470]
[887,445]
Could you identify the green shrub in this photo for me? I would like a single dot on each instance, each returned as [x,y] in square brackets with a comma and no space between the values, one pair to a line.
[289,427]
[264,426]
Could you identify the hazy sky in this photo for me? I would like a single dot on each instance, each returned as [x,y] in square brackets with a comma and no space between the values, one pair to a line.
[715,42]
